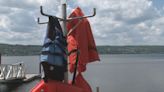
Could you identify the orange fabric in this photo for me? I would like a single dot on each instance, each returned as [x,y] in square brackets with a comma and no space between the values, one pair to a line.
[54,86]
[82,83]
[81,37]
[40,86]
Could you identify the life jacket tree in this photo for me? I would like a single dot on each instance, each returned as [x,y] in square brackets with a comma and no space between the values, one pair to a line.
[47,60]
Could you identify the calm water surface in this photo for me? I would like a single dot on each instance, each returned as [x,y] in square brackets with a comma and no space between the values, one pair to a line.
[115,73]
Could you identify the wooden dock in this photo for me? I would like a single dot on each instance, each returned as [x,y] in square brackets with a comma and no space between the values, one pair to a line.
[28,78]
[31,77]
[15,73]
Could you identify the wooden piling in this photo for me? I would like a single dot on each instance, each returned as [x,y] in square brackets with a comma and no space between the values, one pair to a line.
[0,58]
[97,89]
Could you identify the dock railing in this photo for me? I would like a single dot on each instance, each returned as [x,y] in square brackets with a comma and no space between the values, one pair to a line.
[12,71]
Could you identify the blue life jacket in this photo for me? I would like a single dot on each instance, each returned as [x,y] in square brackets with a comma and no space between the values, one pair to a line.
[54,48]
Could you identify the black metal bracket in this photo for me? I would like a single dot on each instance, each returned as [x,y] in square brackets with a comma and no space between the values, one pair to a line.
[44,14]
[67,20]
[81,17]
[38,20]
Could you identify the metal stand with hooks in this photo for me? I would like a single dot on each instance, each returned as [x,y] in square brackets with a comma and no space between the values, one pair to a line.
[64,20]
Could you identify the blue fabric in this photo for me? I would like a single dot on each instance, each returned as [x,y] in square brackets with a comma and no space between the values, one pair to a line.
[55,44]
[52,59]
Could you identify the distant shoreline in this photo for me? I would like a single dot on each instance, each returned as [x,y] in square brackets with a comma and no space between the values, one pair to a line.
[99,54]
[31,50]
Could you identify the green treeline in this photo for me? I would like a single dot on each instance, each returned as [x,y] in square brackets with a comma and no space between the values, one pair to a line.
[131,49]
[25,50]
[19,50]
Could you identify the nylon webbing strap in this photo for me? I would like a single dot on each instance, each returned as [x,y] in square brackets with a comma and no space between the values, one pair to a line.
[72,51]
[76,65]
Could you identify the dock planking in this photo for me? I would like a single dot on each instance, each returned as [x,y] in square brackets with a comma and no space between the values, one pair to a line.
[31,77]
[28,78]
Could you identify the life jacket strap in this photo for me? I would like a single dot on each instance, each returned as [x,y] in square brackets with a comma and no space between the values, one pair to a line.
[72,51]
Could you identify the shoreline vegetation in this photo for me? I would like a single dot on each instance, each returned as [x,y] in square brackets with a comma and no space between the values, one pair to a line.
[28,50]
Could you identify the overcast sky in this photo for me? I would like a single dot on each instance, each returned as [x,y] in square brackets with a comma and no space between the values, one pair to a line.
[118,22]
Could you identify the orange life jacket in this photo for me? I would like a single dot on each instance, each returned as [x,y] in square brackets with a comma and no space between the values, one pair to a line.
[80,38]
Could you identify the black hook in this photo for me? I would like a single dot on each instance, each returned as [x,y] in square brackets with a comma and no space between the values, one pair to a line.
[47,15]
[41,22]
[41,11]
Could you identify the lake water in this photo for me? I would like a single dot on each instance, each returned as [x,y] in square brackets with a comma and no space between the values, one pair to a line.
[115,73]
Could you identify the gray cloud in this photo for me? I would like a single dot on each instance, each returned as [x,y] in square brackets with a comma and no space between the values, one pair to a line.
[22,4]
[5,10]
[118,22]
[22,21]
[126,22]
[18,21]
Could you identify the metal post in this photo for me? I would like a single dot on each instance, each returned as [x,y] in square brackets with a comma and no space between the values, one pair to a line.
[64,16]
[63,25]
